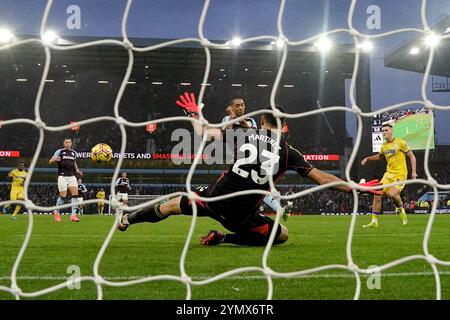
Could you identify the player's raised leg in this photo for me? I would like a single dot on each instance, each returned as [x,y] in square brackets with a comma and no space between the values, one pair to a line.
[155,213]
[16,210]
[62,187]
[376,210]
[255,236]
[394,194]
[74,192]
[59,202]
[16,195]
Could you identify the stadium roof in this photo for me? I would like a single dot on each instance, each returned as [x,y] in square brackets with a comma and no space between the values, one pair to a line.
[401,57]
[188,57]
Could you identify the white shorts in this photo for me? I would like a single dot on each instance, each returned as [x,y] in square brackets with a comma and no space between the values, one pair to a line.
[64,182]
[122,196]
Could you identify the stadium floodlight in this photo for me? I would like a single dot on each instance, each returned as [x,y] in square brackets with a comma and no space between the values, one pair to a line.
[236,84]
[49,37]
[5,36]
[366,45]
[414,51]
[279,43]
[324,44]
[236,41]
[103,81]
[432,40]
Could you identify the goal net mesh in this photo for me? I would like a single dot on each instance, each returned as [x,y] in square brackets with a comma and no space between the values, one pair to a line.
[207,45]
[135,200]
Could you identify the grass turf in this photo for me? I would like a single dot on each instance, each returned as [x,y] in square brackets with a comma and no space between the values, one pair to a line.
[415,129]
[155,249]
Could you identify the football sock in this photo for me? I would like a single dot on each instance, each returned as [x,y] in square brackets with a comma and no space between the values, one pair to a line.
[60,201]
[375,215]
[270,201]
[400,211]
[74,206]
[151,214]
[16,211]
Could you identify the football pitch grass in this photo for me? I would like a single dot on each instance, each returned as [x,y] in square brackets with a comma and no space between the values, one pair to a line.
[155,249]
[415,130]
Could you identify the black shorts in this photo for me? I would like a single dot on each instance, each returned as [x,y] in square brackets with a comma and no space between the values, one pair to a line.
[234,220]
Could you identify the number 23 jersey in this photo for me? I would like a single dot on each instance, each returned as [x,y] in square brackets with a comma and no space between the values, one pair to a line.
[256,155]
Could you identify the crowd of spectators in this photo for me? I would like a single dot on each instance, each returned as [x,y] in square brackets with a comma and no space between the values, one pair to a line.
[399,113]
[63,103]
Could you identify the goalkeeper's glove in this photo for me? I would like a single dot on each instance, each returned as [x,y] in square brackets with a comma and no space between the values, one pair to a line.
[189,105]
[371,183]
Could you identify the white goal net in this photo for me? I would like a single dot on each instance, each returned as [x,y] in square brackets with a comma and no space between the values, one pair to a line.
[134,200]
[265,269]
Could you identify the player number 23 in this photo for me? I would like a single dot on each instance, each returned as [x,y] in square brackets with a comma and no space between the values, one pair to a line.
[265,165]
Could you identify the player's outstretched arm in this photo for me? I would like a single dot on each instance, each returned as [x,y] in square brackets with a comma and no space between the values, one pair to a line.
[189,105]
[78,173]
[55,158]
[321,177]
[375,157]
[412,159]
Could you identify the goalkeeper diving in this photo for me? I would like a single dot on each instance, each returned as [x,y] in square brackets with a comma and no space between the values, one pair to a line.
[239,214]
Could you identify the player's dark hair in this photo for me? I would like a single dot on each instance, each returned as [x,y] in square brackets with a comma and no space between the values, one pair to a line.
[271,119]
[387,125]
[230,101]
[67,138]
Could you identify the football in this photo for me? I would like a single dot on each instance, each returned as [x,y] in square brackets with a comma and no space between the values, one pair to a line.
[101,152]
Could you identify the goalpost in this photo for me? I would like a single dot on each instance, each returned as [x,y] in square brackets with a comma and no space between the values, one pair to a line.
[264,268]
